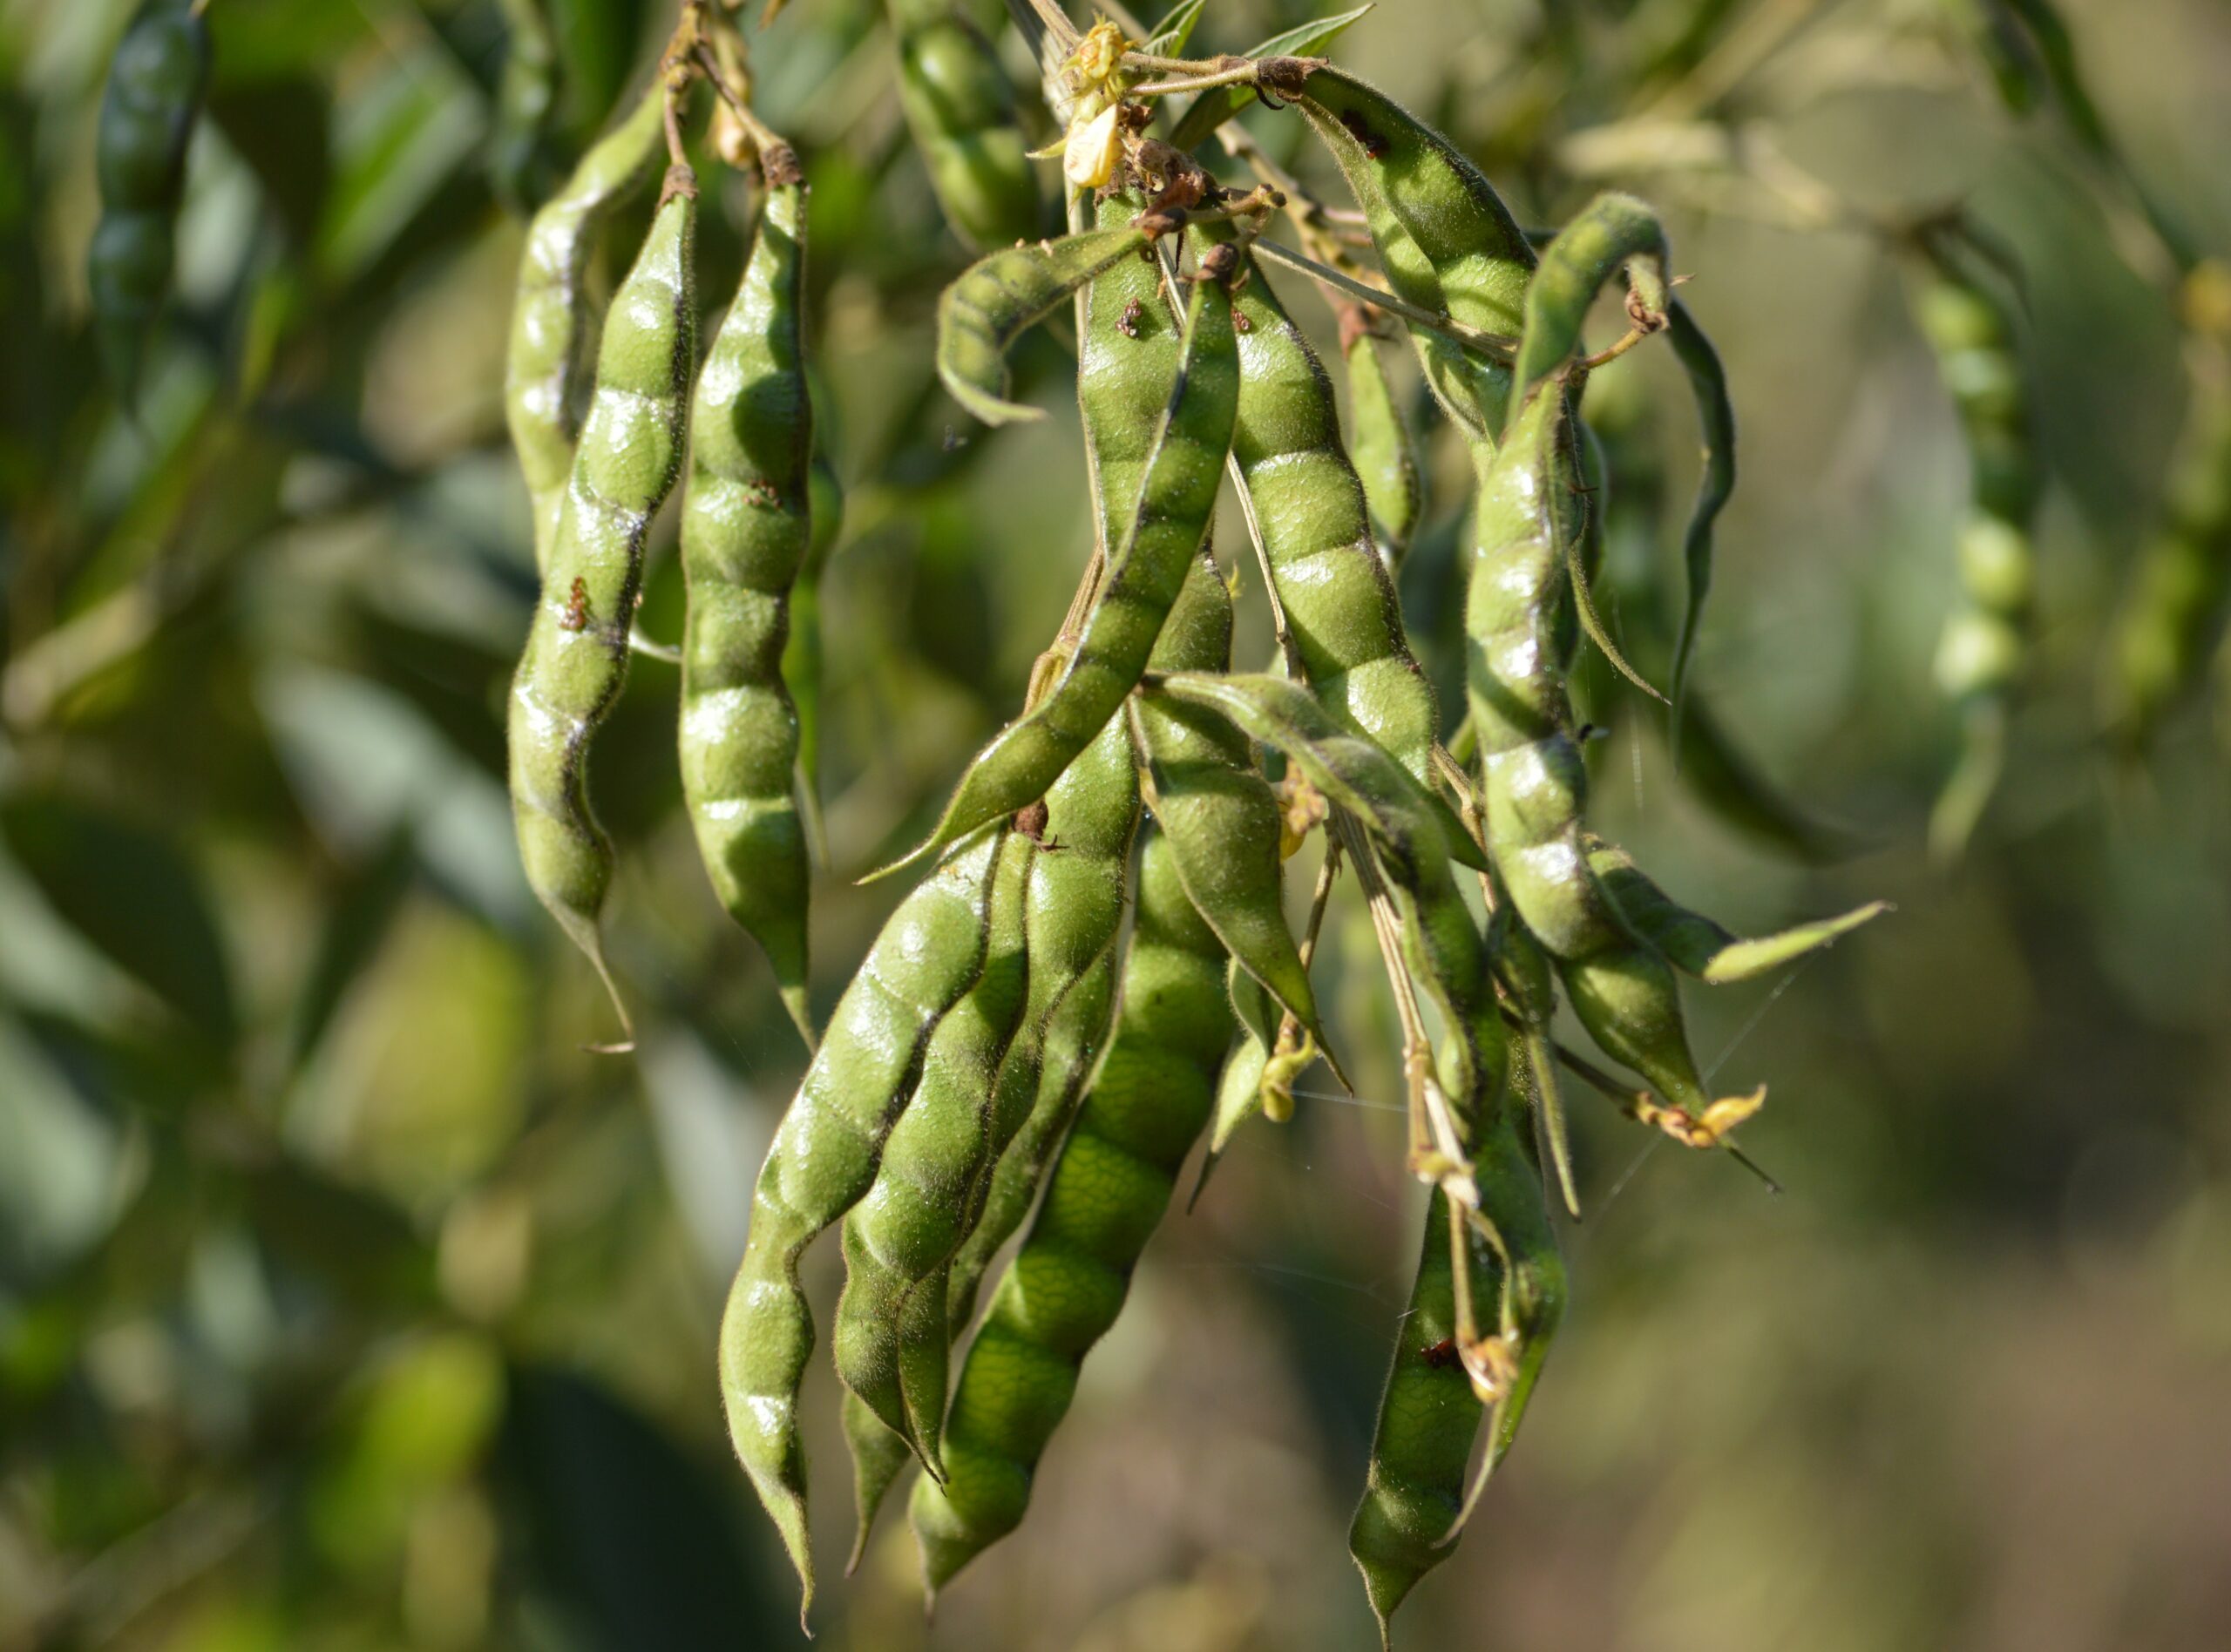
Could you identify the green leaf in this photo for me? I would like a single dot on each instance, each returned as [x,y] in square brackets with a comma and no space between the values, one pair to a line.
[134,896]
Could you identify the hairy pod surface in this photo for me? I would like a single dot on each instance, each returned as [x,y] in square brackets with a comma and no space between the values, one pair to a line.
[1520,637]
[1106,1193]
[746,529]
[576,657]
[998,297]
[1445,239]
[825,1157]
[1076,909]
[156,84]
[900,1237]
[552,324]
[1176,504]
[1333,589]
[961,110]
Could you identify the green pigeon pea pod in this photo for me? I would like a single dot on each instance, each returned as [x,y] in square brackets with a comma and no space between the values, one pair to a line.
[1519,636]
[804,663]
[1104,1197]
[1176,503]
[1307,503]
[1219,815]
[1696,945]
[1985,646]
[999,297]
[962,110]
[1613,232]
[521,163]
[1411,842]
[1382,444]
[156,84]
[576,657]
[1130,347]
[1447,242]
[2159,648]
[552,324]
[825,1157]
[898,1238]
[1414,1502]
[1078,882]
[746,530]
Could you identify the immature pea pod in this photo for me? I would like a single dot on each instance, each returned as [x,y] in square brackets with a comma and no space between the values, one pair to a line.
[1223,822]
[1445,239]
[898,1239]
[1176,502]
[576,656]
[1075,909]
[1715,486]
[801,648]
[2159,648]
[1415,1503]
[960,109]
[1694,944]
[1386,453]
[825,1157]
[1412,843]
[998,297]
[1982,652]
[551,321]
[1239,1091]
[156,84]
[1309,508]
[520,163]
[1106,1193]
[746,529]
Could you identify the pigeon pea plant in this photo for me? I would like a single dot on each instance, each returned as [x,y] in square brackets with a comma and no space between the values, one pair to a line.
[956,1078]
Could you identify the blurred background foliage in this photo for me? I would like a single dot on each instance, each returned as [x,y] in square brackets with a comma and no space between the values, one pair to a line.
[344,1302]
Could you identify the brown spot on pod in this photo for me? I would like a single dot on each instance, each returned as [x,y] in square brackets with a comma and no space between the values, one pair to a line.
[762,493]
[576,617]
[1359,129]
[1439,1356]
[1128,323]
[1219,263]
[1240,323]
[1030,821]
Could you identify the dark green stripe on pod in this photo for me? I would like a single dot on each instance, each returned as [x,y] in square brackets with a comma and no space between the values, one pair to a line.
[1107,1193]
[576,657]
[746,528]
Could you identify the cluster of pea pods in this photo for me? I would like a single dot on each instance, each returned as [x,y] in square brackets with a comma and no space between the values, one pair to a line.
[1010,1057]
